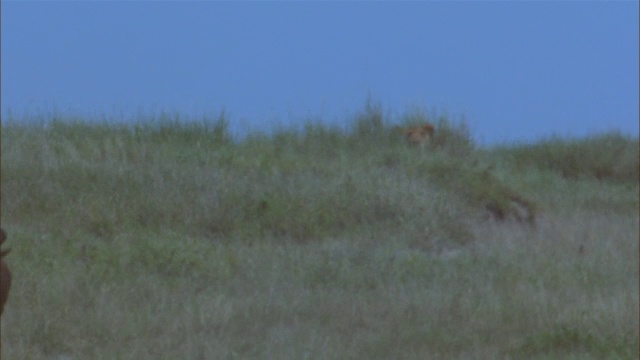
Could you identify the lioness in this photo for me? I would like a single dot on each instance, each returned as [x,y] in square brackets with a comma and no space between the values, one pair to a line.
[419,135]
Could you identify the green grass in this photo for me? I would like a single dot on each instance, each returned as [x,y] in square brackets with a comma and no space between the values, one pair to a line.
[164,240]
[611,156]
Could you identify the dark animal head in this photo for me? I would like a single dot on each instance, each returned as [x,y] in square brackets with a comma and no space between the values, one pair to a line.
[5,274]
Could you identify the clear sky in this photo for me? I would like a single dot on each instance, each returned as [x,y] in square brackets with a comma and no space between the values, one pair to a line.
[516,70]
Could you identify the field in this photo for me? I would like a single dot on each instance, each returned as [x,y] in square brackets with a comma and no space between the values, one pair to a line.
[166,240]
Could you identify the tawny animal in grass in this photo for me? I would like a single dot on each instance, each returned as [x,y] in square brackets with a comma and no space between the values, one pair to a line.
[419,135]
[5,274]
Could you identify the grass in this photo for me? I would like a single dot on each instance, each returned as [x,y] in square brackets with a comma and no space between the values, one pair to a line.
[168,240]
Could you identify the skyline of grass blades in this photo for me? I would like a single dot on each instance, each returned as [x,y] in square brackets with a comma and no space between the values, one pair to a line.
[171,240]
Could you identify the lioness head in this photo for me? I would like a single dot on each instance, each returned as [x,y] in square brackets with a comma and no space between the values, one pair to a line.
[419,135]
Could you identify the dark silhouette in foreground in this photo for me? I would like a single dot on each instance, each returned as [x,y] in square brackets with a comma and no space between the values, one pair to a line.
[5,274]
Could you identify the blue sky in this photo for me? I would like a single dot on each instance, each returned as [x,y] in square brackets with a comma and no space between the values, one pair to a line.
[517,71]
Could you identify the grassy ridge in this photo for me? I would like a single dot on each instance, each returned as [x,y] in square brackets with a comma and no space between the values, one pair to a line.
[170,240]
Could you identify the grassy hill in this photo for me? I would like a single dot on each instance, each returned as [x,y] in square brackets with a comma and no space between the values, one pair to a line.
[167,240]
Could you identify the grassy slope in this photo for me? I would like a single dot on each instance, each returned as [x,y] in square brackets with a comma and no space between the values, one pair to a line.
[171,241]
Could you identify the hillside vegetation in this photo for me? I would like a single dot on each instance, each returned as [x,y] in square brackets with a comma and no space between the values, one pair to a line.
[168,240]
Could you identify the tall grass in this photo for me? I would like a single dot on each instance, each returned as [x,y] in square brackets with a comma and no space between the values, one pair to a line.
[610,156]
[172,240]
